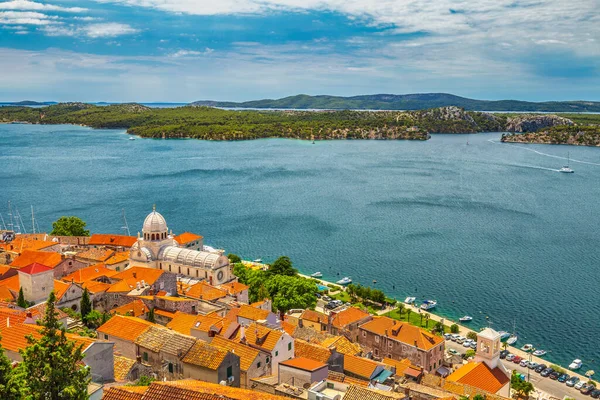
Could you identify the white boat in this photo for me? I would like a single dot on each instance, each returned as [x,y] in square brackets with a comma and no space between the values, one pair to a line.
[344,281]
[512,339]
[410,300]
[566,168]
[258,260]
[466,318]
[131,138]
[504,335]
[576,364]
[317,275]
[539,353]
[428,304]
[528,347]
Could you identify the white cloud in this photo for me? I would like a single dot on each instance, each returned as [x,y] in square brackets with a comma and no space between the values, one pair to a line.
[86,19]
[26,5]
[192,53]
[26,18]
[103,30]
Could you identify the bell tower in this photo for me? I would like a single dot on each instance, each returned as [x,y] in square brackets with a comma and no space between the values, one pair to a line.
[488,347]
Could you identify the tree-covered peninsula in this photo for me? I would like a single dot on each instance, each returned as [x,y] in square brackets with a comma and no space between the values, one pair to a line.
[218,124]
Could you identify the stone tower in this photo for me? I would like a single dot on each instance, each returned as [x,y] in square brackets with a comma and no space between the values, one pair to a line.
[488,347]
[37,281]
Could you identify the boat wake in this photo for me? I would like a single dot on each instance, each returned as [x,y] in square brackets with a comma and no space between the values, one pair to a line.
[536,167]
[546,154]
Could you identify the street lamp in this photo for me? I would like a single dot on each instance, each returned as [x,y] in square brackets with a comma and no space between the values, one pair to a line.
[530,356]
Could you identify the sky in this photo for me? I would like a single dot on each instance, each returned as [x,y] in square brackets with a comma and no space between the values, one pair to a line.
[187,50]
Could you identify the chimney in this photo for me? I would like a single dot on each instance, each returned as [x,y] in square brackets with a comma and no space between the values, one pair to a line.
[29,320]
[386,332]
[135,274]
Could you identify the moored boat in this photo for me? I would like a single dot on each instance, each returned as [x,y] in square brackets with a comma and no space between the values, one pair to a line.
[528,347]
[539,353]
[504,335]
[410,300]
[317,275]
[258,260]
[344,281]
[576,364]
[428,304]
[466,318]
[512,339]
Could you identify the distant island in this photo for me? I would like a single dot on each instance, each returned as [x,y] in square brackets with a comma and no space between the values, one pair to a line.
[208,123]
[418,101]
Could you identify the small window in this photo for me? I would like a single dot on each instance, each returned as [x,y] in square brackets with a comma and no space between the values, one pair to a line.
[330,385]
[364,333]
[267,360]
[171,368]
[43,288]
[118,269]
[290,346]
[376,339]
[376,352]
[258,364]
[389,355]
[188,272]
[179,269]
[229,371]
[105,336]
[145,356]
[390,343]
[169,267]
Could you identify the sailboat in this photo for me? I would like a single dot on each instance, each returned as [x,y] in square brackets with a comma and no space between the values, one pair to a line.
[513,338]
[566,169]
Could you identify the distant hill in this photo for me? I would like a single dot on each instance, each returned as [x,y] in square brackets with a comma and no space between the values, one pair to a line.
[29,103]
[419,101]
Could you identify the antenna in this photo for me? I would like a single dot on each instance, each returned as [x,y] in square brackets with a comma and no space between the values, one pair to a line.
[32,220]
[3,224]
[125,227]
[11,226]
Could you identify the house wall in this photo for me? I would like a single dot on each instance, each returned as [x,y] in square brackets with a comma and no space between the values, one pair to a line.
[36,287]
[71,298]
[125,347]
[299,378]
[259,368]
[100,358]
[282,351]
[67,266]
[215,376]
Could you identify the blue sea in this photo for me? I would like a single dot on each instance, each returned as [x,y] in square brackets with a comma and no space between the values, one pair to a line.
[487,229]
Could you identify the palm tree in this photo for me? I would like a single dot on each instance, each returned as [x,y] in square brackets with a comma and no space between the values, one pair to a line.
[408,311]
[422,315]
[504,346]
[400,309]
[427,316]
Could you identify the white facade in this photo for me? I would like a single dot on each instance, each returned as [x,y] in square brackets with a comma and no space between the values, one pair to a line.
[156,248]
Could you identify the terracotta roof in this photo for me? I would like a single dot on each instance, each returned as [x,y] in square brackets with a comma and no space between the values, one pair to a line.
[288,327]
[89,273]
[122,367]
[98,255]
[35,268]
[312,351]
[305,364]
[199,390]
[5,268]
[314,316]
[39,311]
[123,327]
[6,294]
[403,332]
[125,392]
[186,237]
[21,244]
[133,309]
[348,316]
[246,354]
[262,337]
[233,288]
[361,393]
[96,287]
[204,291]
[122,286]
[339,377]
[342,345]
[137,274]
[46,258]
[11,283]
[182,322]
[400,365]
[178,344]
[360,366]
[205,355]
[479,375]
[117,258]
[154,338]
[112,240]
[163,313]
[60,288]
[14,337]
[258,304]
[252,313]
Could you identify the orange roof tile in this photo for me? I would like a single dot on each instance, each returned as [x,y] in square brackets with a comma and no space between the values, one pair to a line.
[342,345]
[305,364]
[96,287]
[340,377]
[137,274]
[11,283]
[14,337]
[5,268]
[122,286]
[262,337]
[204,291]
[124,327]
[362,393]
[348,316]
[6,294]
[163,313]
[199,390]
[21,244]
[124,392]
[312,351]
[46,258]
[252,313]
[403,332]
[89,273]
[400,365]
[289,328]
[60,288]
[182,322]
[314,316]
[98,255]
[117,258]
[186,237]
[360,366]
[112,240]
[34,268]
[246,354]
[233,288]
[479,375]
[134,309]
[205,355]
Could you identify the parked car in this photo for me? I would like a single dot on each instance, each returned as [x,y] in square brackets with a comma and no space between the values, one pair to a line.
[595,393]
[474,345]
[460,339]
[533,365]
[546,372]
[554,375]
[524,363]
[448,336]
[587,389]
[504,353]
[540,368]
[467,343]
[326,298]
[455,336]
[563,378]
[573,381]
[510,357]
[454,352]
[517,359]
[579,385]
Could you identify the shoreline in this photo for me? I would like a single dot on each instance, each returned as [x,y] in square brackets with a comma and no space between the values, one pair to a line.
[463,330]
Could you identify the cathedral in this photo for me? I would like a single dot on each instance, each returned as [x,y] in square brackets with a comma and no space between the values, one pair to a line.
[157,248]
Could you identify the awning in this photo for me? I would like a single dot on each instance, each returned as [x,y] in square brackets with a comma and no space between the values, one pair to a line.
[412,372]
[383,375]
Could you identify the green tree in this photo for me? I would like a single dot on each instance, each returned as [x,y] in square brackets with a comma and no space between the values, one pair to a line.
[262,293]
[479,397]
[234,258]
[69,226]
[282,266]
[401,308]
[21,302]
[438,327]
[408,312]
[85,305]
[470,353]
[427,317]
[52,363]
[472,335]
[10,382]
[454,328]
[150,317]
[94,319]
[289,292]
[523,388]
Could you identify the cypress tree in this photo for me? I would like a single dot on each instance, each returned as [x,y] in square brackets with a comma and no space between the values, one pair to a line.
[52,363]
[150,316]
[21,302]
[85,305]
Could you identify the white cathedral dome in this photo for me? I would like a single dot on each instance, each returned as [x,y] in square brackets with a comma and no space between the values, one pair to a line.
[155,223]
